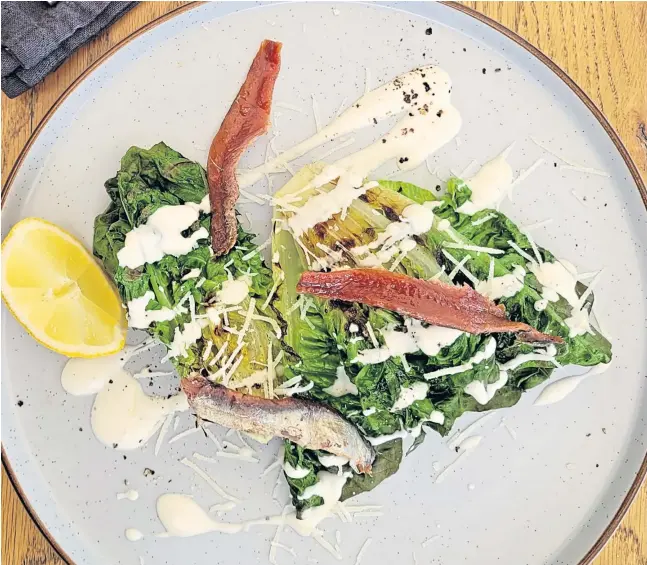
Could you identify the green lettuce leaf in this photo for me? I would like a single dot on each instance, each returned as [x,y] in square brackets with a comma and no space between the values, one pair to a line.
[160,176]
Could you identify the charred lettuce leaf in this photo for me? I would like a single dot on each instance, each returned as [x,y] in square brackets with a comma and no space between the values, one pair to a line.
[491,228]
[320,341]
[324,337]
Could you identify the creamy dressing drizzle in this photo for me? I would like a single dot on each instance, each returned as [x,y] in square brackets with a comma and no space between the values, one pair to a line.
[435,417]
[123,416]
[408,93]
[409,395]
[133,534]
[192,274]
[342,385]
[130,494]
[184,338]
[504,286]
[181,516]
[139,317]
[479,357]
[162,235]
[295,472]
[559,279]
[482,392]
[416,220]
[547,354]
[379,440]
[233,292]
[430,340]
[488,186]
[332,460]
[459,436]
[323,206]
[554,392]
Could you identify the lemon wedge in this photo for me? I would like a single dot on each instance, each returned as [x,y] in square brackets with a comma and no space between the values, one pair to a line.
[58,292]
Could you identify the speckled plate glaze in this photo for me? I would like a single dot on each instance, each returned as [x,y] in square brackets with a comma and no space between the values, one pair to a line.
[545,497]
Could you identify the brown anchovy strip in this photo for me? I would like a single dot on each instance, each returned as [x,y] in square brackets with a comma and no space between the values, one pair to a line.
[434,302]
[248,117]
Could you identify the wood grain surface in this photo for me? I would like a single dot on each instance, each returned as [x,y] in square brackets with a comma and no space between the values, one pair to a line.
[602,46]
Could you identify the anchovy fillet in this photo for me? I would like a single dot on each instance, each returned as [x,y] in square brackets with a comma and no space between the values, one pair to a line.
[304,422]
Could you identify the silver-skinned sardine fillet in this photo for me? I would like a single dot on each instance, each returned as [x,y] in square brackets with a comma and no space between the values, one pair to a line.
[304,422]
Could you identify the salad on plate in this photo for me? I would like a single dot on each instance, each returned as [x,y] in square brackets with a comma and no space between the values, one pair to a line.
[377,313]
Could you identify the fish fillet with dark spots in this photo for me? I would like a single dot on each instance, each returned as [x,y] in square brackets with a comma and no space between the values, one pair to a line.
[306,423]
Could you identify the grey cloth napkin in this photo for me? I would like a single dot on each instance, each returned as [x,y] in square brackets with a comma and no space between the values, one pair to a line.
[37,37]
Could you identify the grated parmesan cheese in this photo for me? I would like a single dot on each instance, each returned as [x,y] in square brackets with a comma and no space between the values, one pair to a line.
[227,377]
[163,431]
[209,480]
[315,112]
[535,250]
[579,198]
[253,197]
[287,106]
[341,107]
[212,437]
[272,322]
[323,542]
[483,219]
[272,466]
[429,540]
[219,354]
[270,371]
[584,170]
[207,350]
[371,334]
[477,248]
[521,251]
[524,174]
[274,288]
[258,249]
[362,551]
[277,535]
[201,457]
[183,434]
[461,268]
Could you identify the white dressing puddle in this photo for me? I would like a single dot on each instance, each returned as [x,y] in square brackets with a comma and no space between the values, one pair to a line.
[123,415]
[561,388]
[488,186]
[132,534]
[181,516]
[130,494]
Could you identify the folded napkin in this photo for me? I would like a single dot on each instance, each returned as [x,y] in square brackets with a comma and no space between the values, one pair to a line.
[38,36]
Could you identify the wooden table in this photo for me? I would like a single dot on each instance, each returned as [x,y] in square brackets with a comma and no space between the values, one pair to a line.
[602,46]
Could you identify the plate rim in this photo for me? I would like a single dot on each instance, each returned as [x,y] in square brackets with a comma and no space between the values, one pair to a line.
[641,475]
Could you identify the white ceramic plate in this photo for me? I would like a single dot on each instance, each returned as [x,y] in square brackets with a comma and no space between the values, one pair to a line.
[542,498]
